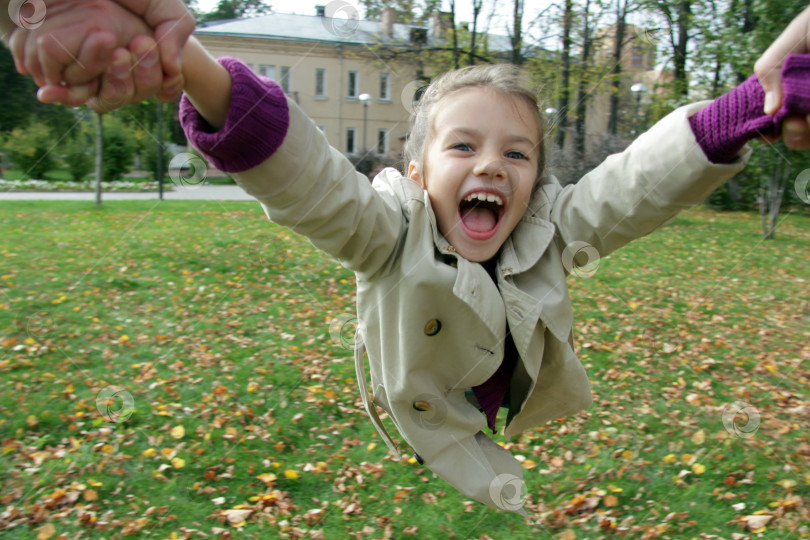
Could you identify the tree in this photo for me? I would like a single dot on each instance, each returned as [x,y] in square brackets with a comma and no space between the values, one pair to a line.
[405,11]
[582,85]
[623,8]
[31,149]
[516,34]
[19,105]
[565,90]
[235,9]
[119,148]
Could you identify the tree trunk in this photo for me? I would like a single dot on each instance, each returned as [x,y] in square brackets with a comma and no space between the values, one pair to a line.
[770,200]
[99,155]
[477,6]
[582,94]
[454,30]
[565,95]
[679,60]
[517,33]
[616,72]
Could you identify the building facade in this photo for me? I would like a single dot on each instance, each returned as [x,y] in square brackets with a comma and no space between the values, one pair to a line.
[331,68]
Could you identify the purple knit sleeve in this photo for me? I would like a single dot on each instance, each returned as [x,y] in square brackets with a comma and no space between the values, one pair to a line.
[723,127]
[256,125]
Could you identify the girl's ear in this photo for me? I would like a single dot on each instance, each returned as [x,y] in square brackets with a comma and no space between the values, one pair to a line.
[415,173]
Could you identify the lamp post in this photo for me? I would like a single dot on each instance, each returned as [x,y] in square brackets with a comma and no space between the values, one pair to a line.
[364,99]
[638,90]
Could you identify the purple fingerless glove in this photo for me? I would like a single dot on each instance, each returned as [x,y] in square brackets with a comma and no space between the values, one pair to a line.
[723,127]
[256,125]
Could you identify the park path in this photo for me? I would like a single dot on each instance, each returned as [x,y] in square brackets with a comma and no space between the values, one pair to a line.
[198,193]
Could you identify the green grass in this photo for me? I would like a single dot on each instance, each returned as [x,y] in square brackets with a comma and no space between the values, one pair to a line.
[213,319]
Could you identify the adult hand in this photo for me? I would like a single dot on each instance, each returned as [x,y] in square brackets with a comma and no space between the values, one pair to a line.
[76,40]
[133,75]
[794,39]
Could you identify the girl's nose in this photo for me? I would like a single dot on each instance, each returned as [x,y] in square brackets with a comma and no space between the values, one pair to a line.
[491,166]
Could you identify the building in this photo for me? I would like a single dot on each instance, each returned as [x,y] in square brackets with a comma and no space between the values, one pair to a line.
[329,64]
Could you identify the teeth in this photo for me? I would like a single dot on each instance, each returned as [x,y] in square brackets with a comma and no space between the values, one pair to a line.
[486,197]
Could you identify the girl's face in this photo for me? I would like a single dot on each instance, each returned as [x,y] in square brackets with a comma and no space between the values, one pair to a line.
[479,169]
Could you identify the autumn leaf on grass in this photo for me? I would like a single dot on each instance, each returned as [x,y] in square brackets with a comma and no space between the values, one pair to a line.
[237,516]
[267,478]
[757,522]
[178,432]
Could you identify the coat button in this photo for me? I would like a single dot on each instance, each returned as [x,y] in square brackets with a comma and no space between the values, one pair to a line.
[432,327]
[421,406]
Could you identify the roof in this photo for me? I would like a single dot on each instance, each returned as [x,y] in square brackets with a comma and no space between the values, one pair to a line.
[308,28]
[325,29]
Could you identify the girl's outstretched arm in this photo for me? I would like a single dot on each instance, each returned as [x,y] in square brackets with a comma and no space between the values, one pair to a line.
[207,84]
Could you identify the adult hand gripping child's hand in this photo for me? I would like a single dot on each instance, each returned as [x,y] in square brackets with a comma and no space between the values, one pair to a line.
[794,39]
[77,41]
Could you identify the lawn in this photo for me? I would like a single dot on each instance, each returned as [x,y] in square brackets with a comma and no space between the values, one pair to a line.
[183,370]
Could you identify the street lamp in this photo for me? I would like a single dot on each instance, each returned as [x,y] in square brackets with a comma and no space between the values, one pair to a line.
[638,90]
[364,99]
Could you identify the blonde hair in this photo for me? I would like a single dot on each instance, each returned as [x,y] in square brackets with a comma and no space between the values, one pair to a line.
[505,79]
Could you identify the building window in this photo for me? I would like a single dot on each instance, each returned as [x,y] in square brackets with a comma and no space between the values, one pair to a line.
[351,140]
[286,76]
[385,87]
[351,89]
[268,71]
[320,82]
[382,142]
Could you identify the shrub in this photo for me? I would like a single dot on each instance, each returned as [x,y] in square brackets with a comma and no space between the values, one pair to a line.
[31,150]
[79,158]
[119,148]
[150,154]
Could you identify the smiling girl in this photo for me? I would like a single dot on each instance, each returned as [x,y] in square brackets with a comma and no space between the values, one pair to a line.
[461,263]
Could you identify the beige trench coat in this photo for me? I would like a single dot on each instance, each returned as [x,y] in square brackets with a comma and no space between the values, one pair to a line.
[434,323]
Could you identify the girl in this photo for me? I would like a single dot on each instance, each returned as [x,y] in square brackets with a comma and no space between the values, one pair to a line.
[461,263]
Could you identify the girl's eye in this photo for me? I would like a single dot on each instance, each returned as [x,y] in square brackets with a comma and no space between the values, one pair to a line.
[514,154]
[462,146]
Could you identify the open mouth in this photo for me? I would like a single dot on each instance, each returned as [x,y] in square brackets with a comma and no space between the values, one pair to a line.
[481,213]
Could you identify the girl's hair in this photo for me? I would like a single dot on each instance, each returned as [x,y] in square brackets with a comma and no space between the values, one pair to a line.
[506,79]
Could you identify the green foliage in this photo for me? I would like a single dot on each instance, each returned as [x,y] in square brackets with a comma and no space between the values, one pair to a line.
[79,152]
[31,149]
[235,9]
[119,148]
[19,105]
[149,156]
[405,11]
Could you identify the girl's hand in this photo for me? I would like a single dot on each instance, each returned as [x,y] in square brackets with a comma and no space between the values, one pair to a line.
[795,39]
